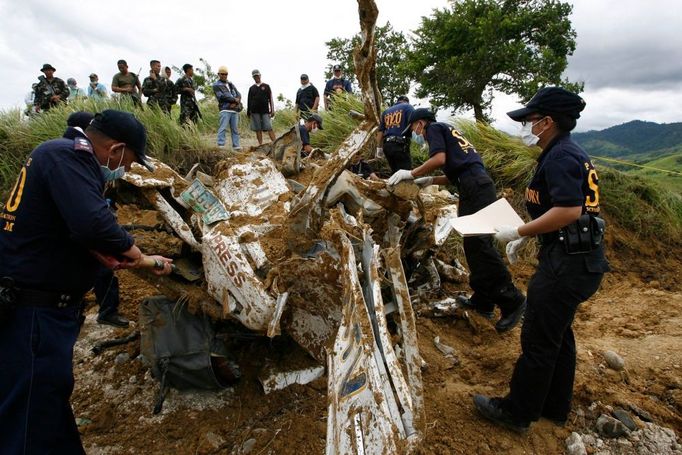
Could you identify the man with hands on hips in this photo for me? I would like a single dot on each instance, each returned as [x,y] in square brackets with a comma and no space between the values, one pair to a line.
[463,167]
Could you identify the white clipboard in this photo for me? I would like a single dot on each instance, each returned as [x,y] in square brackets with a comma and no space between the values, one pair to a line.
[484,222]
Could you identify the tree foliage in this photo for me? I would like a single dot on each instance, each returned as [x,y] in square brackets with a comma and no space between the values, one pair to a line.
[391,49]
[204,77]
[461,54]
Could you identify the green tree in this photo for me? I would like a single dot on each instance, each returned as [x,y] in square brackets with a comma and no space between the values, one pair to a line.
[391,49]
[460,55]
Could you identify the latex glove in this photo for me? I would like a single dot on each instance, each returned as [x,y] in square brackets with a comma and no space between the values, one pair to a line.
[506,234]
[399,176]
[424,181]
[379,155]
[513,249]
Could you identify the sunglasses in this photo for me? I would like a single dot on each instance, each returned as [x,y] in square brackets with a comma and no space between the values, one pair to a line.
[222,74]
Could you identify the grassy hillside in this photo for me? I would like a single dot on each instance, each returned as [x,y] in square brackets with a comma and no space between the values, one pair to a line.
[631,138]
[635,203]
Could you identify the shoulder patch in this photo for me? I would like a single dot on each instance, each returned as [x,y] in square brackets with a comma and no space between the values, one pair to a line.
[80,143]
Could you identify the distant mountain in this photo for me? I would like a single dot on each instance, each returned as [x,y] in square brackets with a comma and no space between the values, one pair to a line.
[633,140]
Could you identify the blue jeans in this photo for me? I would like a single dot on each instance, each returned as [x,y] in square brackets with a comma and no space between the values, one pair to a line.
[232,118]
[36,381]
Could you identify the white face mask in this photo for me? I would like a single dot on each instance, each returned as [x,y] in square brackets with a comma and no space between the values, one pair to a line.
[527,136]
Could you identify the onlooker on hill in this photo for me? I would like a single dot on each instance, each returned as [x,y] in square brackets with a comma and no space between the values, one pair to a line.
[336,85]
[29,99]
[393,137]
[260,108]
[307,98]
[96,89]
[155,86]
[311,125]
[186,87]
[127,83]
[229,105]
[171,93]
[50,90]
[75,91]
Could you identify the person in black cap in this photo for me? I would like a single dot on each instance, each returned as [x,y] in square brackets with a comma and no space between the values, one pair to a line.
[307,98]
[54,224]
[50,90]
[562,198]
[310,125]
[336,85]
[393,137]
[462,165]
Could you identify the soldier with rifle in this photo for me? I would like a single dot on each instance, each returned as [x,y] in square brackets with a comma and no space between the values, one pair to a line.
[155,87]
[50,90]
[186,87]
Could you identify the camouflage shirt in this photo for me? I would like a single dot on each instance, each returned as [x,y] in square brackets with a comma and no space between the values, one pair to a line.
[155,90]
[45,90]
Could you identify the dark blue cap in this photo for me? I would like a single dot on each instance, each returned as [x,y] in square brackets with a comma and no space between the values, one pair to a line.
[420,114]
[551,100]
[80,119]
[123,126]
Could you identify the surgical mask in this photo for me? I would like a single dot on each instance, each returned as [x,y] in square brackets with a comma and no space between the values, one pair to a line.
[527,136]
[109,175]
[418,138]
[314,130]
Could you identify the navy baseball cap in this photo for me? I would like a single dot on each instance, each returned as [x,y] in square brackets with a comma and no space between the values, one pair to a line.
[337,68]
[419,114]
[551,100]
[304,77]
[80,119]
[123,126]
[318,119]
[403,98]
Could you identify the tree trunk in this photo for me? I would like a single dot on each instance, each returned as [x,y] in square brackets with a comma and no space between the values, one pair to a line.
[478,112]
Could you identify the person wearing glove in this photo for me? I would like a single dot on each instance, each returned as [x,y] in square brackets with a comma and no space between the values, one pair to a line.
[451,152]
[393,137]
[563,189]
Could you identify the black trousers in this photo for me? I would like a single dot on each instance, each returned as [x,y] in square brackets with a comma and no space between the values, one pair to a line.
[398,155]
[106,292]
[542,382]
[489,277]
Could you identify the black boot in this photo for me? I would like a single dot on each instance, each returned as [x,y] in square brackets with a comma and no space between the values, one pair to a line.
[467,304]
[491,409]
[509,321]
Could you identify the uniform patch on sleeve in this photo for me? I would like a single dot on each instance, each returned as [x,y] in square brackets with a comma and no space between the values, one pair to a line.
[80,143]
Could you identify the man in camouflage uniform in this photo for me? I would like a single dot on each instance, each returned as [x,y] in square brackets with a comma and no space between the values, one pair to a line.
[185,86]
[50,91]
[171,93]
[154,88]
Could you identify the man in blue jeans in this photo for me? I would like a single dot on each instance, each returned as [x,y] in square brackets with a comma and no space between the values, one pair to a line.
[229,105]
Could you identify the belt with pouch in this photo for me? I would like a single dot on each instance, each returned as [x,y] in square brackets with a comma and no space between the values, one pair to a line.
[582,236]
[395,139]
[47,299]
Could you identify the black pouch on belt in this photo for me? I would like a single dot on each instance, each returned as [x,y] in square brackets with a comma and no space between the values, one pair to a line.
[7,298]
[583,235]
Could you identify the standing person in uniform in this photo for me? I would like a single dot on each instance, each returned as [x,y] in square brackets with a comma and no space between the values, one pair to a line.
[336,85]
[185,86]
[393,137]
[54,220]
[126,84]
[229,105]
[50,90]
[154,87]
[260,108]
[463,167]
[171,92]
[307,98]
[563,200]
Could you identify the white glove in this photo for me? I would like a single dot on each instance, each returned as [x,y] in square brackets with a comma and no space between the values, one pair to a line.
[379,155]
[399,176]
[424,181]
[506,234]
[513,249]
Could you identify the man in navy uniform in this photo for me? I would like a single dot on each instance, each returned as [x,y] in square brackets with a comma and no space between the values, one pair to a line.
[393,137]
[311,125]
[463,167]
[54,220]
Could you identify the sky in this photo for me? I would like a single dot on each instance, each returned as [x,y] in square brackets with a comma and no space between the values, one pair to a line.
[629,52]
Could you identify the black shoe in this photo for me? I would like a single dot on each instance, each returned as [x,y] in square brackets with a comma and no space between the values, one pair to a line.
[490,409]
[114,319]
[558,421]
[508,322]
[466,303]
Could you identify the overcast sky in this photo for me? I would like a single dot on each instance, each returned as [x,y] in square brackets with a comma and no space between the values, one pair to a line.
[629,52]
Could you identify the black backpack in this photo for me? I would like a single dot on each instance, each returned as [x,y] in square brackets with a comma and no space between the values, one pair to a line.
[181,349]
